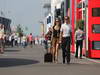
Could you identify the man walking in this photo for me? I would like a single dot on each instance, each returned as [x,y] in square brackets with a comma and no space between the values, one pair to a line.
[65,39]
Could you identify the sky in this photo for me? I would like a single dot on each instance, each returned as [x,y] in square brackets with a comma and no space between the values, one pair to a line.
[28,13]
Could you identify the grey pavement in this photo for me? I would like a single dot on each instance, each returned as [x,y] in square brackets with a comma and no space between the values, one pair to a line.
[29,61]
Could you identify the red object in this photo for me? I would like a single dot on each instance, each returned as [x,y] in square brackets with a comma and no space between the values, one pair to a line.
[46,37]
[30,37]
[78,11]
[73,26]
[93,36]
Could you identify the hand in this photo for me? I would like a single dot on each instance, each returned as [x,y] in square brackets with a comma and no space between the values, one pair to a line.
[75,41]
[60,41]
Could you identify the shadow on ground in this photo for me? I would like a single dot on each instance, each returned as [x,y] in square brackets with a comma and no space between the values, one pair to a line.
[12,50]
[12,62]
[96,58]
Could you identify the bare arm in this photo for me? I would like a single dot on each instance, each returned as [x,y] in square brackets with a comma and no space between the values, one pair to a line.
[60,39]
[52,34]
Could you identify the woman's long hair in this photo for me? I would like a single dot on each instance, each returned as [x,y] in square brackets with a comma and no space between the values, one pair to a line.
[59,22]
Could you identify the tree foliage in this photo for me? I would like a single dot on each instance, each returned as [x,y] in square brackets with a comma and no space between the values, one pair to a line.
[19,30]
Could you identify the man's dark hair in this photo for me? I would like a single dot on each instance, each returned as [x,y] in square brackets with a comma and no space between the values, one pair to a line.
[80,27]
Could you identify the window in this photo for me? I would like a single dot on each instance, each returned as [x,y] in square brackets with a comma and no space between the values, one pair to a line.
[49,20]
[96,45]
[96,12]
[96,28]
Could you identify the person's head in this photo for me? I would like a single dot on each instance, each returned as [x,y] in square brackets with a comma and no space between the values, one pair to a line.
[1,26]
[80,27]
[50,29]
[66,19]
[30,33]
[57,22]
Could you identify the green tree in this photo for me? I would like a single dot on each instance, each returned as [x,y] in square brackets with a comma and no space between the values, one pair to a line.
[19,30]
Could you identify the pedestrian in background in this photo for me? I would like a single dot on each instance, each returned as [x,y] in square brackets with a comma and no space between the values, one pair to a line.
[65,39]
[19,41]
[2,38]
[24,41]
[16,40]
[30,40]
[79,35]
[11,40]
[55,39]
[34,40]
[49,34]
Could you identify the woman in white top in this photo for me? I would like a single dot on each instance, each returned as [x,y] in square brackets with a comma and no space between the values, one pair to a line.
[79,34]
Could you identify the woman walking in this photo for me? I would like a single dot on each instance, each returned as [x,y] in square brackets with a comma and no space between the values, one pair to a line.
[55,40]
[79,34]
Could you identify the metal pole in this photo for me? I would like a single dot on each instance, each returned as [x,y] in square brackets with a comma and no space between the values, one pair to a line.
[86,28]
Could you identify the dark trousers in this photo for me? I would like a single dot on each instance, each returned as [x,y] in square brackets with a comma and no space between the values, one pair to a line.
[79,43]
[66,49]
[12,41]
[16,43]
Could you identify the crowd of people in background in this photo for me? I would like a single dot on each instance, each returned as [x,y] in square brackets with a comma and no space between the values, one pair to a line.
[25,40]
[15,40]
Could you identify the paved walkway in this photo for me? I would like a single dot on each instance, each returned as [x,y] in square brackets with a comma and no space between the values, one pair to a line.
[29,61]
